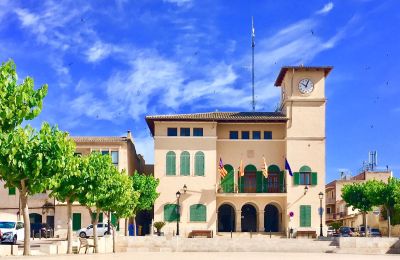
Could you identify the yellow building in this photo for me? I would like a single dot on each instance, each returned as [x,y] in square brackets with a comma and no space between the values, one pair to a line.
[44,209]
[188,149]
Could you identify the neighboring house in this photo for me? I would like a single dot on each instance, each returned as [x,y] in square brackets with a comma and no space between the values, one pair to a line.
[336,208]
[44,209]
[188,149]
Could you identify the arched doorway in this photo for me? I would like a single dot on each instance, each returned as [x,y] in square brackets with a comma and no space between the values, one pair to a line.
[249,218]
[271,218]
[226,218]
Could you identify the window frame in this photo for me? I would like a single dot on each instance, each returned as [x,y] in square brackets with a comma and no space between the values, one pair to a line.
[199,155]
[303,179]
[171,154]
[259,137]
[181,164]
[184,131]
[231,133]
[193,213]
[196,133]
[111,154]
[268,134]
[243,133]
[172,129]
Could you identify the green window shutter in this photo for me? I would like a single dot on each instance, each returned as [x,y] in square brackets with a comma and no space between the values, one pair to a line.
[114,221]
[282,181]
[76,221]
[305,216]
[198,212]
[11,191]
[185,163]
[227,183]
[259,181]
[170,212]
[199,164]
[171,163]
[101,217]
[296,176]
[314,178]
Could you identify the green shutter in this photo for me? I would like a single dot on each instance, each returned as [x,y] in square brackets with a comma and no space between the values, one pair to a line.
[199,164]
[227,183]
[170,212]
[171,163]
[185,163]
[11,191]
[296,176]
[76,221]
[100,220]
[114,221]
[259,181]
[282,181]
[314,178]
[305,216]
[198,213]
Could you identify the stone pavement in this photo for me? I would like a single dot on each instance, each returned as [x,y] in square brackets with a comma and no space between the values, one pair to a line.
[208,256]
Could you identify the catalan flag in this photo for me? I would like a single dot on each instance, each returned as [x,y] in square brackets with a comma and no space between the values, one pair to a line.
[264,168]
[221,169]
[241,169]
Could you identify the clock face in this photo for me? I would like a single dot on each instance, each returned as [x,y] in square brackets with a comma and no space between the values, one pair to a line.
[306,86]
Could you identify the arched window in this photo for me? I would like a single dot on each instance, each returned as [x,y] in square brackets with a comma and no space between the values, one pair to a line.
[227,183]
[185,163]
[305,176]
[199,164]
[198,212]
[170,212]
[171,163]
[248,183]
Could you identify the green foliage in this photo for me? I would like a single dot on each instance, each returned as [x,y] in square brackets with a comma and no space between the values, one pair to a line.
[336,225]
[388,196]
[18,102]
[34,157]
[146,186]
[358,196]
[159,225]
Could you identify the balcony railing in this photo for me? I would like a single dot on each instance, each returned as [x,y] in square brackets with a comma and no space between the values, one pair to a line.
[330,200]
[231,188]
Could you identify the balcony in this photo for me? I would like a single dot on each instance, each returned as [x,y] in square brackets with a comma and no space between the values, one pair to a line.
[331,216]
[330,201]
[261,188]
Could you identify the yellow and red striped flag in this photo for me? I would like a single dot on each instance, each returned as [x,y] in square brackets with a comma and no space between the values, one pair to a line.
[241,169]
[221,169]
[264,168]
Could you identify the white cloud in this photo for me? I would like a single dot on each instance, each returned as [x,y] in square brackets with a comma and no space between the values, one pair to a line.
[98,51]
[179,2]
[326,9]
[27,18]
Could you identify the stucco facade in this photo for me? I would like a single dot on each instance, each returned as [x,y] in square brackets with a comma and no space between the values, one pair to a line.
[44,209]
[251,203]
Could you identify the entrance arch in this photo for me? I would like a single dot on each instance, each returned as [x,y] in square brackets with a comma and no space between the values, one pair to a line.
[249,218]
[271,218]
[226,218]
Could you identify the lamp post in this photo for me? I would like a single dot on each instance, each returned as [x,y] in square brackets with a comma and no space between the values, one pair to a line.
[178,195]
[321,196]
[305,190]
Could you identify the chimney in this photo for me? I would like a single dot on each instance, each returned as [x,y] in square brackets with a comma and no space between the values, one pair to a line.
[129,135]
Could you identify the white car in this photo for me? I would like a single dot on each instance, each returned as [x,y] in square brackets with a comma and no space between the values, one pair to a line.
[102,230]
[11,231]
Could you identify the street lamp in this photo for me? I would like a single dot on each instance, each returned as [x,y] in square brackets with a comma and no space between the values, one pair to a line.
[178,195]
[305,190]
[321,196]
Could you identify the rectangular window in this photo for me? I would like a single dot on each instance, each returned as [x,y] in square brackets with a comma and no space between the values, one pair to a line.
[197,131]
[11,191]
[305,178]
[328,210]
[76,221]
[105,152]
[245,135]
[171,212]
[185,131]
[267,135]
[114,157]
[256,135]
[172,131]
[305,216]
[233,135]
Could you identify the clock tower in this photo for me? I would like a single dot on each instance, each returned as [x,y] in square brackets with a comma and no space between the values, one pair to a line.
[303,102]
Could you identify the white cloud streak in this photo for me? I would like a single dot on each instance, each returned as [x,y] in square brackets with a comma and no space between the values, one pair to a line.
[326,9]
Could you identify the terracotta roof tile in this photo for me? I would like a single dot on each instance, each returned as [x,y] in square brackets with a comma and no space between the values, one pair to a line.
[86,139]
[281,75]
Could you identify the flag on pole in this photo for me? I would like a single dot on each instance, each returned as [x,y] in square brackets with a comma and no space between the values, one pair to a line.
[287,167]
[241,170]
[221,169]
[264,168]
[253,33]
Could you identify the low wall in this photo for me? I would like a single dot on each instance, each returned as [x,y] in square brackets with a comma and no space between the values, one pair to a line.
[369,245]
[395,230]
[6,250]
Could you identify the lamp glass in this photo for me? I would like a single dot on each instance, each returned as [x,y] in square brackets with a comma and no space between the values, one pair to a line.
[178,194]
[184,188]
[321,195]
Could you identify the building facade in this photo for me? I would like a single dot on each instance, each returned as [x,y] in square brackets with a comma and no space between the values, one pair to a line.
[44,209]
[189,149]
[337,209]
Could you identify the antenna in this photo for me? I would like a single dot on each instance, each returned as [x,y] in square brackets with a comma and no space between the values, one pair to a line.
[253,35]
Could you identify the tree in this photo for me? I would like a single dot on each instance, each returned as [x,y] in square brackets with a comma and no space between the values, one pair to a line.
[18,102]
[29,160]
[146,185]
[68,188]
[358,195]
[97,174]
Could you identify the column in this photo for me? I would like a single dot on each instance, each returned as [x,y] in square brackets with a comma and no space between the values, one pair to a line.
[238,220]
[261,221]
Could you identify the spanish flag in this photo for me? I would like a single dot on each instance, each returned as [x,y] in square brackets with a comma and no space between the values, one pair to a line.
[264,168]
[221,169]
[241,169]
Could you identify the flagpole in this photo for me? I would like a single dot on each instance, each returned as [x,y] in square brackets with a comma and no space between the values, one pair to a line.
[252,60]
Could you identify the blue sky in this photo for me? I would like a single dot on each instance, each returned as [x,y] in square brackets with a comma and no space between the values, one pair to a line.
[110,63]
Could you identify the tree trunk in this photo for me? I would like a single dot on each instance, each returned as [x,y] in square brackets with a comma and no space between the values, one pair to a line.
[134,226]
[69,231]
[365,223]
[114,231]
[94,223]
[126,227]
[388,220]
[25,213]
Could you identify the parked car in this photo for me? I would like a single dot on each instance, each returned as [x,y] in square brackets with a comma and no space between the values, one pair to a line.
[330,232]
[362,231]
[345,232]
[354,232]
[12,231]
[375,232]
[102,229]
